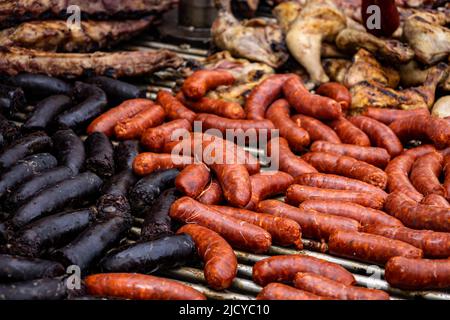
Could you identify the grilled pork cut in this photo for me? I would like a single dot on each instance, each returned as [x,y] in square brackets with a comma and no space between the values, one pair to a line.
[14,60]
[58,36]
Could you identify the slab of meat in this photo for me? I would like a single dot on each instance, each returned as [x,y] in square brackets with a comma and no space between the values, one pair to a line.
[67,65]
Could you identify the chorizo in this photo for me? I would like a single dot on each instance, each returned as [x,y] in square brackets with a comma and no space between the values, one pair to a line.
[380,134]
[218,256]
[279,114]
[347,167]
[435,200]
[425,174]
[365,216]
[325,287]
[193,179]
[154,139]
[219,107]
[447,176]
[146,163]
[314,224]
[200,82]
[370,248]
[433,244]
[296,194]
[285,160]
[173,108]
[134,127]
[284,231]
[377,157]
[263,95]
[237,232]
[418,274]
[139,287]
[349,133]
[279,291]
[337,92]
[309,104]
[417,216]
[212,195]
[128,109]
[387,116]
[284,268]
[316,129]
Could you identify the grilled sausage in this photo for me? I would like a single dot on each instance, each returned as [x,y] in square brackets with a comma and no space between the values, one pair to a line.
[337,92]
[40,85]
[447,176]
[425,174]
[349,133]
[15,268]
[41,289]
[69,150]
[147,163]
[317,130]
[212,195]
[435,200]
[193,180]
[12,99]
[173,108]
[100,155]
[116,90]
[45,111]
[200,82]
[279,291]
[125,153]
[154,139]
[219,107]
[387,116]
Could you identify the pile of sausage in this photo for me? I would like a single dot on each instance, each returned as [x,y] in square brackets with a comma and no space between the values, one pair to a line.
[347,181]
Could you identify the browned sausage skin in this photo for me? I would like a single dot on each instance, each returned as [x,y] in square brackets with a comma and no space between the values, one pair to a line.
[425,174]
[435,200]
[134,127]
[146,163]
[387,116]
[279,291]
[349,133]
[218,256]
[212,195]
[200,82]
[193,179]
[174,109]
[337,92]
[154,139]
[316,129]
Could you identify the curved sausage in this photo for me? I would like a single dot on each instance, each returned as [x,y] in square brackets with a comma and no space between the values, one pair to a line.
[316,129]
[193,179]
[69,150]
[398,177]
[15,268]
[117,91]
[425,174]
[279,291]
[212,195]
[125,153]
[435,200]
[387,116]
[134,127]
[219,107]
[45,111]
[154,139]
[337,92]
[100,155]
[349,133]
[41,289]
[447,176]
[237,232]
[146,163]
[173,108]
[200,82]
[218,256]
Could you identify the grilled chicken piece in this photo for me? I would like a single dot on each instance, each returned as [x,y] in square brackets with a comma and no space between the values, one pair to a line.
[14,60]
[336,69]
[411,74]
[257,39]
[352,40]
[373,94]
[319,20]
[428,36]
[366,68]
[57,36]
[13,12]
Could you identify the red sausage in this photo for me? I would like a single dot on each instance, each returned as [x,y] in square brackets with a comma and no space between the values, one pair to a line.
[370,248]
[174,109]
[447,176]
[263,95]
[417,216]
[433,244]
[193,179]
[238,233]
[279,291]
[284,269]
[316,129]
[337,92]
[387,116]
[285,160]
[435,200]
[349,133]
[347,167]
[219,107]
[365,216]
[154,139]
[425,174]
[325,287]
[218,256]
[296,194]
[284,231]
[146,163]
[314,224]
[310,104]
[415,274]
[279,114]
[139,287]
[378,157]
[200,82]
[213,194]
[380,134]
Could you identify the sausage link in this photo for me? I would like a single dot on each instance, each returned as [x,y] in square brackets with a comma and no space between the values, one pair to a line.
[331,181]
[387,116]
[139,287]
[285,160]
[433,244]
[193,179]
[378,157]
[325,287]
[316,129]
[146,163]
[284,269]
[200,82]
[425,174]
[447,176]
[219,107]
[212,195]
[134,127]
[347,167]
[266,185]
[174,109]
[370,248]
[238,233]
[417,216]
[415,274]
[279,114]
[435,200]
[263,95]
[218,256]
[284,231]
[337,92]
[279,291]
[107,121]
[154,139]
[380,134]
[420,151]
[349,133]
[296,194]
[314,224]
[365,216]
